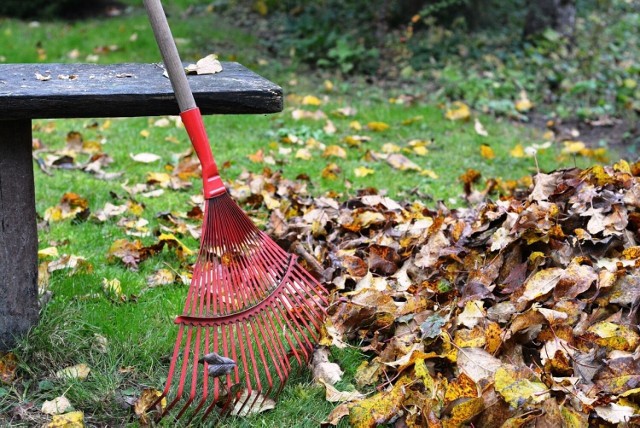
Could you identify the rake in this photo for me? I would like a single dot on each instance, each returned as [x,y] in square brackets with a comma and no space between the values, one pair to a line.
[252,313]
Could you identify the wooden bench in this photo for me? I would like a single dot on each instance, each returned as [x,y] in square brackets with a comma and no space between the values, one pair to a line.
[85,91]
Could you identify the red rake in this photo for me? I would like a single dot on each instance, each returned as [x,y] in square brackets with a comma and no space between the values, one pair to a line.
[251,310]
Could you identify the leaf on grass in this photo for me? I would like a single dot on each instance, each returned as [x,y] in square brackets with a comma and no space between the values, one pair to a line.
[377,126]
[8,367]
[67,420]
[523,104]
[161,277]
[487,152]
[363,171]
[143,404]
[48,252]
[323,370]
[71,262]
[458,111]
[332,395]
[337,414]
[573,147]
[112,288]
[255,403]
[517,151]
[145,157]
[335,151]
[217,365]
[477,126]
[71,206]
[311,100]
[56,406]
[331,171]
[79,371]
[402,163]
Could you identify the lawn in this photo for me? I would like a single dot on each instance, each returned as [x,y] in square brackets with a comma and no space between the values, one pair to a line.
[337,135]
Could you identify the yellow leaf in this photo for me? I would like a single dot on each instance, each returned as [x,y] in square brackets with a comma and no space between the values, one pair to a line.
[459,111]
[422,372]
[379,408]
[377,126]
[355,125]
[303,154]
[79,371]
[158,177]
[170,238]
[328,85]
[48,252]
[147,399]
[487,152]
[363,171]
[335,151]
[573,147]
[144,133]
[515,387]
[548,135]
[310,100]
[331,171]
[391,148]
[257,157]
[429,173]
[112,287]
[572,418]
[356,140]
[420,150]
[615,336]
[461,387]
[67,420]
[463,412]
[523,104]
[517,151]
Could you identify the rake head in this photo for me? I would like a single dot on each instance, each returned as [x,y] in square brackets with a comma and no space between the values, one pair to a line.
[251,314]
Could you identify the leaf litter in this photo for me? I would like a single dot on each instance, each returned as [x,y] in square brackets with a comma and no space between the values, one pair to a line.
[513,310]
[516,309]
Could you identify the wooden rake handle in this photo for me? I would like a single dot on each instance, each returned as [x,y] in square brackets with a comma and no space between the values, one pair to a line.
[170,56]
[189,111]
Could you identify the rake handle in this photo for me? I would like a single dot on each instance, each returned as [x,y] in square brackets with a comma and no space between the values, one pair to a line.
[189,111]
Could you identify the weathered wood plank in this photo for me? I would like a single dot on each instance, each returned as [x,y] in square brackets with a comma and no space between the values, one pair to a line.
[127,90]
[18,233]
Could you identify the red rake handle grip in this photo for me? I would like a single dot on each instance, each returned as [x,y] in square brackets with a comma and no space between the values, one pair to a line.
[211,182]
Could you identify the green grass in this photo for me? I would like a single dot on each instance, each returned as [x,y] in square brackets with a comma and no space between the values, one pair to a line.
[140,332]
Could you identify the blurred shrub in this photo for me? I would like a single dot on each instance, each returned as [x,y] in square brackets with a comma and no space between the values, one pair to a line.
[38,8]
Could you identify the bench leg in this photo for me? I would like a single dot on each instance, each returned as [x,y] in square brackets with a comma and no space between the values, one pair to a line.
[18,233]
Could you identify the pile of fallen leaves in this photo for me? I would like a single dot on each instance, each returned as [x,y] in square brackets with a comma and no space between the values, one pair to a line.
[514,312]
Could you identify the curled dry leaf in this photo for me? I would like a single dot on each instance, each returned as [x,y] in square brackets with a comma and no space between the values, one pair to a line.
[56,406]
[143,405]
[207,65]
[323,370]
